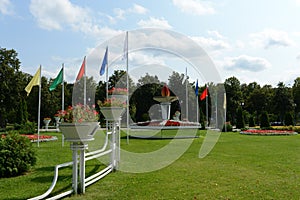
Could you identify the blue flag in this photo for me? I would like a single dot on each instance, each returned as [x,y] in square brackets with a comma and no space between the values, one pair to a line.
[104,63]
[196,90]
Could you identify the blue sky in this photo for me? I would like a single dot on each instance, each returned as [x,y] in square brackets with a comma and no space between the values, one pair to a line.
[252,40]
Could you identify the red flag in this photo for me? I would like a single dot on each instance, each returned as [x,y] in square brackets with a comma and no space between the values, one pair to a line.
[204,94]
[81,71]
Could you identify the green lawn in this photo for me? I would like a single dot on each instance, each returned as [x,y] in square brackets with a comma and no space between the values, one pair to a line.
[239,167]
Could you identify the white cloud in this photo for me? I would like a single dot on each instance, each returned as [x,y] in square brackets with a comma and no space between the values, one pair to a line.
[211,44]
[271,38]
[56,14]
[246,63]
[60,14]
[216,34]
[194,7]
[119,13]
[138,9]
[6,7]
[155,23]
[297,2]
[298,56]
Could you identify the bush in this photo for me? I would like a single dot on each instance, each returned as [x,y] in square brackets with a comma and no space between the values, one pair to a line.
[16,155]
[288,120]
[264,120]
[251,121]
[28,128]
[228,127]
[240,122]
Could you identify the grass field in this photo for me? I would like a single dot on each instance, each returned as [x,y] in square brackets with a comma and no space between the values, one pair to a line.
[239,167]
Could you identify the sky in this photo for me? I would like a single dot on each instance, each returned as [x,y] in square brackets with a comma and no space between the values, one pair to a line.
[255,41]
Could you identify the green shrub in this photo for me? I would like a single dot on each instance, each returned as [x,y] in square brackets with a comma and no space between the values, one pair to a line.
[228,127]
[16,155]
[251,121]
[264,120]
[240,122]
[288,120]
[28,128]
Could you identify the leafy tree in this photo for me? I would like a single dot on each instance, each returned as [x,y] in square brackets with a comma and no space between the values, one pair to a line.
[240,122]
[296,96]
[282,101]
[234,96]
[264,120]
[251,121]
[11,83]
[288,120]
[178,88]
[147,87]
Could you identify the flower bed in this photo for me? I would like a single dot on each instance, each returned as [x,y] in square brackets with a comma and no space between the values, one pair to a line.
[166,123]
[43,138]
[267,132]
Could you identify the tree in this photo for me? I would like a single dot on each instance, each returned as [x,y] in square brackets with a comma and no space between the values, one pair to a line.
[240,122]
[147,87]
[234,97]
[251,121]
[296,96]
[264,120]
[11,83]
[282,101]
[288,120]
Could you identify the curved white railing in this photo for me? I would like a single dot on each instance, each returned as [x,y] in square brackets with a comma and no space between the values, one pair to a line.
[88,181]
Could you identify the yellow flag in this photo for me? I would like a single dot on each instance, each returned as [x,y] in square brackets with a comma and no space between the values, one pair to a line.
[36,80]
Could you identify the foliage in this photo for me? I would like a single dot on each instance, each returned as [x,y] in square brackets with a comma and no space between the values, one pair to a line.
[251,121]
[17,155]
[233,95]
[282,101]
[288,120]
[79,113]
[240,122]
[28,128]
[22,112]
[227,127]
[276,101]
[264,120]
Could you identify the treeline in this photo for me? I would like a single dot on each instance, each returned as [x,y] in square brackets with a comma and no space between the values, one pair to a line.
[252,99]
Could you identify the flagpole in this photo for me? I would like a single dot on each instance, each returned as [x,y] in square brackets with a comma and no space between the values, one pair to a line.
[216,110]
[107,74]
[186,96]
[206,106]
[39,108]
[224,106]
[62,99]
[197,103]
[127,85]
[84,83]
[62,89]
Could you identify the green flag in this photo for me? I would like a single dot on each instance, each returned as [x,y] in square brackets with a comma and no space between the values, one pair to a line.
[58,80]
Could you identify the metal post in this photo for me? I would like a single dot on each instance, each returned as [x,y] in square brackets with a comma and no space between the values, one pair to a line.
[82,167]
[75,169]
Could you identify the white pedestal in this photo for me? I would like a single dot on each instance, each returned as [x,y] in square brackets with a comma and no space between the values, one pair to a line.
[165,110]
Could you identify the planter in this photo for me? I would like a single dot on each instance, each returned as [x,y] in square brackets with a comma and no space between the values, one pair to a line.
[46,122]
[79,132]
[57,119]
[112,113]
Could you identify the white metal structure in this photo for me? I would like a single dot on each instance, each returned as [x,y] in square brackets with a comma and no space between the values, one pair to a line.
[112,135]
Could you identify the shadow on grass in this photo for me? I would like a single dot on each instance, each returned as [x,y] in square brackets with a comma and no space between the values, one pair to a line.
[46,174]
